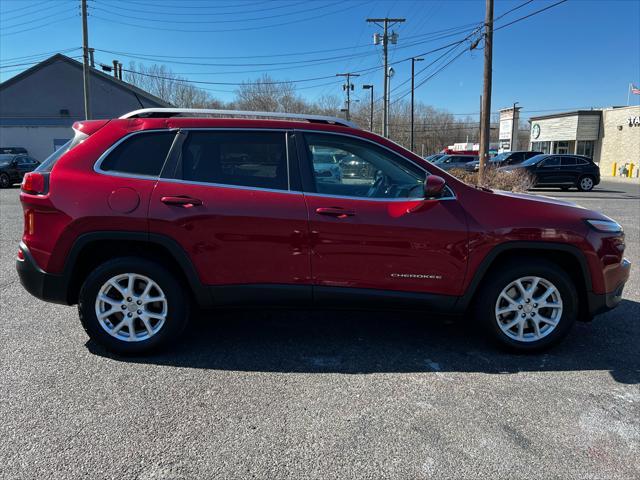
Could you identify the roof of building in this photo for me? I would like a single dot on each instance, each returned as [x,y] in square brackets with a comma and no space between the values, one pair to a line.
[568,114]
[94,72]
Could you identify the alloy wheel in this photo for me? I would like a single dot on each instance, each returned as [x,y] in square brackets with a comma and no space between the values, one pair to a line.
[586,183]
[131,307]
[528,309]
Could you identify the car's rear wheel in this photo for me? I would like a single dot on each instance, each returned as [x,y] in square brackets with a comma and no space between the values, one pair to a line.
[132,305]
[5,181]
[586,183]
[528,306]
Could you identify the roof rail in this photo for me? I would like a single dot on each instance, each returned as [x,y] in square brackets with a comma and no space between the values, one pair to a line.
[174,112]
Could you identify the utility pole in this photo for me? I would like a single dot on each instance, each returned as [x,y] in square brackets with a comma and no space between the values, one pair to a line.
[513,128]
[413,74]
[348,87]
[370,87]
[85,57]
[485,114]
[385,38]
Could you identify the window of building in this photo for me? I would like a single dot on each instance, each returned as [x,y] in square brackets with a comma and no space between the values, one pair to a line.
[562,147]
[540,147]
[585,147]
[140,154]
[243,158]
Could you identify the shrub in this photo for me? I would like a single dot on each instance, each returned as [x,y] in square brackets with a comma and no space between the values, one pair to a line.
[513,181]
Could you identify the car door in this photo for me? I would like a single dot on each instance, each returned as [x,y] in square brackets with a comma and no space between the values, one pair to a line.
[229,201]
[365,234]
[569,170]
[548,171]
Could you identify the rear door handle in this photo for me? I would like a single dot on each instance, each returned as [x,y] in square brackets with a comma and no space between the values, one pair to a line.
[335,212]
[181,201]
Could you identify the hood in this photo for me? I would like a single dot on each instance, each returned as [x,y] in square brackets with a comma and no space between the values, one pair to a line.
[537,198]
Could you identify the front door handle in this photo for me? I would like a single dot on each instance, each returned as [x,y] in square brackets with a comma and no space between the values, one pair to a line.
[181,201]
[335,212]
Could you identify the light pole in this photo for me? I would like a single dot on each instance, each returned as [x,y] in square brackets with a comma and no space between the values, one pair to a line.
[413,73]
[370,87]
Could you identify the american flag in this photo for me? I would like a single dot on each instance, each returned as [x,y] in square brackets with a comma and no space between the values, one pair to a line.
[635,90]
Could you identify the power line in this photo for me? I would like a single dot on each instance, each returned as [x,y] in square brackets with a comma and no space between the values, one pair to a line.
[297,63]
[45,17]
[449,31]
[22,14]
[237,20]
[54,22]
[257,27]
[22,8]
[43,54]
[182,7]
[530,15]
[217,13]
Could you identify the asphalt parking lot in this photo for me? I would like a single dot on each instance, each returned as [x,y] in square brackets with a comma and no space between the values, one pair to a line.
[324,394]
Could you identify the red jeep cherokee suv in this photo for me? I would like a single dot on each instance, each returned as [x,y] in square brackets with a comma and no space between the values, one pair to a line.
[138,218]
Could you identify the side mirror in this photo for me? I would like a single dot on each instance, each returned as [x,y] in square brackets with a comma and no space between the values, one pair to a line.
[433,186]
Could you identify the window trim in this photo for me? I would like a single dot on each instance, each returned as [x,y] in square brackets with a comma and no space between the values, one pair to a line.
[97,167]
[303,158]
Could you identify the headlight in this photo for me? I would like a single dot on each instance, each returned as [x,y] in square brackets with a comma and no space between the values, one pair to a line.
[609,226]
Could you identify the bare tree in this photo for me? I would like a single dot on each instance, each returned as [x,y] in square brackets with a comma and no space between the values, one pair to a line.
[163,83]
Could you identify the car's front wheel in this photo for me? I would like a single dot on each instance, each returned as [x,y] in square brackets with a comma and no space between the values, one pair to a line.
[131,305]
[528,305]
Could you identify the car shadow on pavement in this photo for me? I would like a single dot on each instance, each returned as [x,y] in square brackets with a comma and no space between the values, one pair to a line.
[357,342]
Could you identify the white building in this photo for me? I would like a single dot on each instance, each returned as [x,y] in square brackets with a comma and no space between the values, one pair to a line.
[609,136]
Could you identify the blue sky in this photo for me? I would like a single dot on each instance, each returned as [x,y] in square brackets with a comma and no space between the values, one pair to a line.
[579,54]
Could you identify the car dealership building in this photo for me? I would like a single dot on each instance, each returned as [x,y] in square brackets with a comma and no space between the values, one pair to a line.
[609,135]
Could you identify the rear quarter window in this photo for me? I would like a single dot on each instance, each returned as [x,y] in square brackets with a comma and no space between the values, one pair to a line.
[140,154]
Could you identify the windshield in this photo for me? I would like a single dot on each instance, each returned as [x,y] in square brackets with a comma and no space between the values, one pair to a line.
[500,157]
[533,160]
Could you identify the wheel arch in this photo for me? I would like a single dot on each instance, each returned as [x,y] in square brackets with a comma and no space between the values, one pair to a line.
[92,249]
[570,258]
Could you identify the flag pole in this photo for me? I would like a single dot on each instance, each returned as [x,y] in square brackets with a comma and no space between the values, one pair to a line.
[628,93]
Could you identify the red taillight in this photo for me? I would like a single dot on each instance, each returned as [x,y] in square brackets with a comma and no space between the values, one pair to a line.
[35,183]
[20,255]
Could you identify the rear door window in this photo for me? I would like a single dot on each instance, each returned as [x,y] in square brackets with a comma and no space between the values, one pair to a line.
[242,158]
[551,162]
[568,161]
[140,154]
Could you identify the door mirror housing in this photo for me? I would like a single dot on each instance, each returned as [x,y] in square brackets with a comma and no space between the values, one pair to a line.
[433,186]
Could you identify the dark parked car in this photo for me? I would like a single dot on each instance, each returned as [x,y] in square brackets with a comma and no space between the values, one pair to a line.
[564,171]
[432,158]
[451,162]
[14,150]
[13,168]
[503,160]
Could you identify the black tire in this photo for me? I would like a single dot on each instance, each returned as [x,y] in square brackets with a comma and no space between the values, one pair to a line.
[587,186]
[495,282]
[178,305]
[5,181]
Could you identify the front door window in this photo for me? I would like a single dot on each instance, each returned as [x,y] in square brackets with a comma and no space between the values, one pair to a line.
[354,168]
